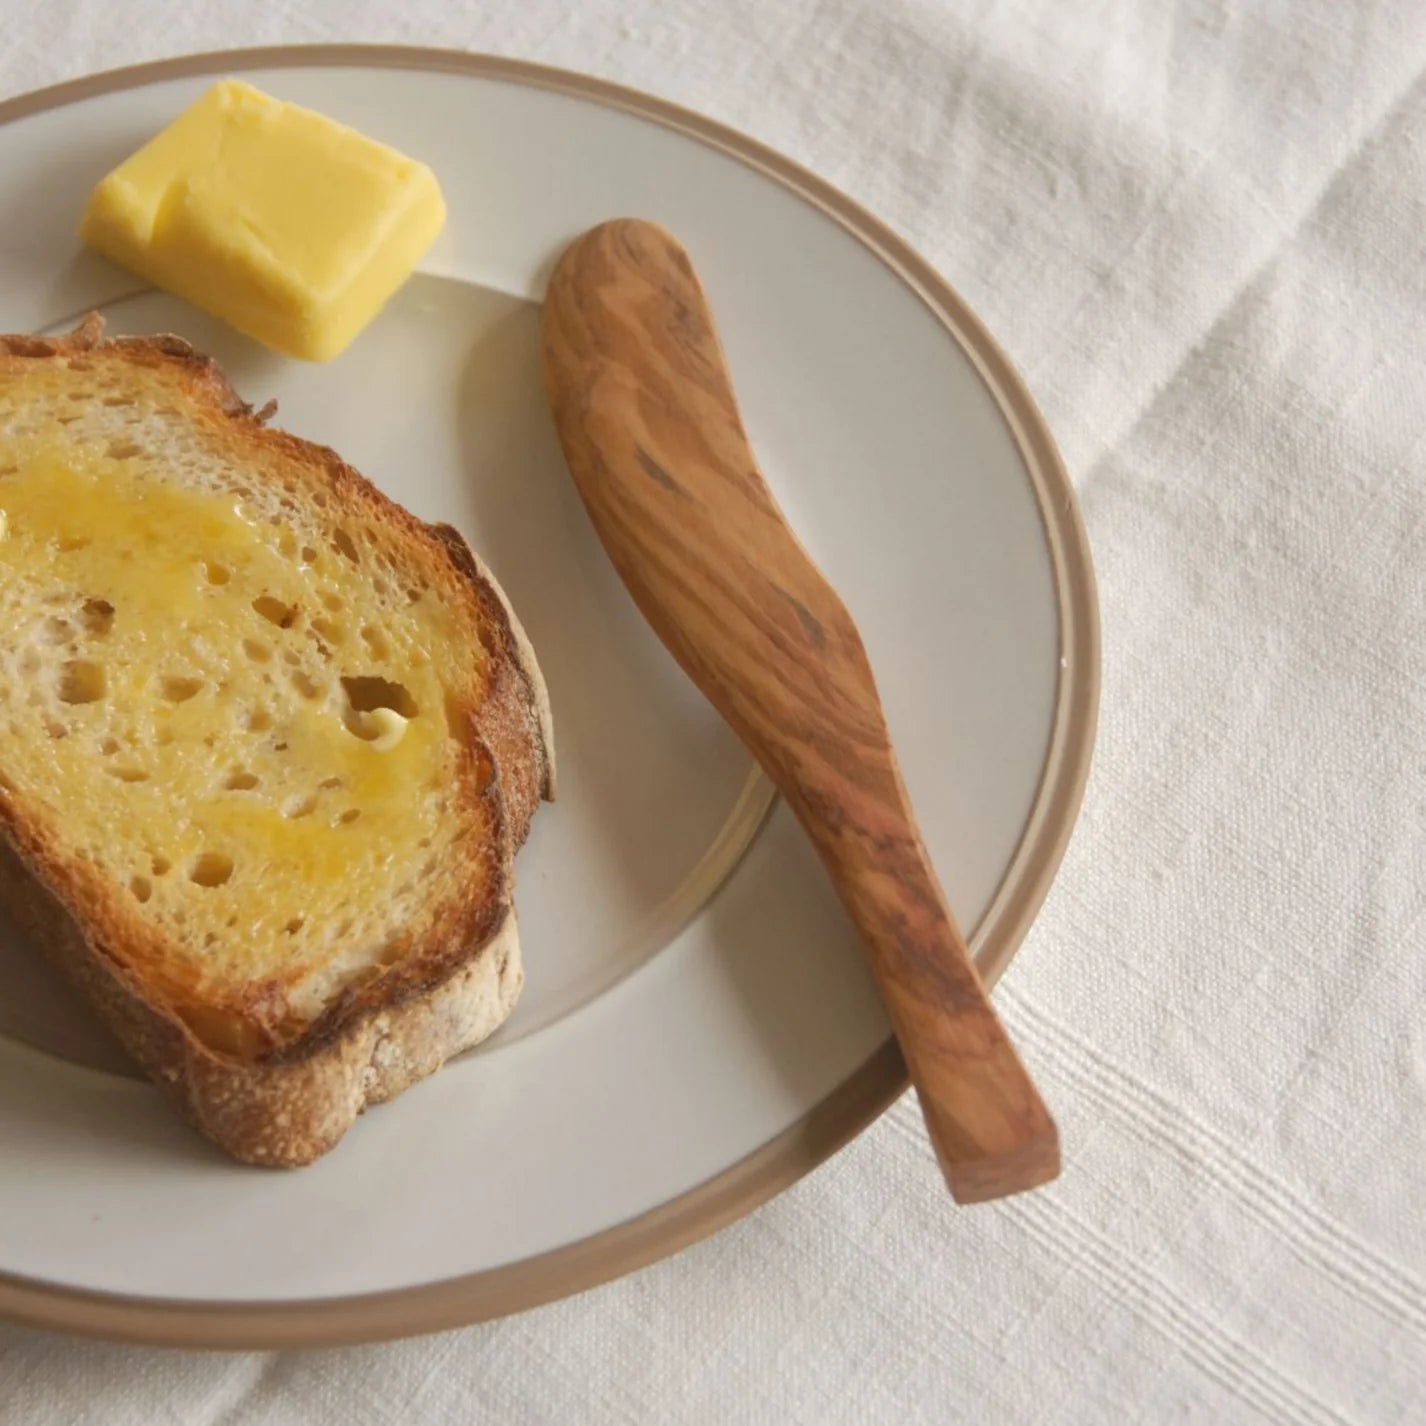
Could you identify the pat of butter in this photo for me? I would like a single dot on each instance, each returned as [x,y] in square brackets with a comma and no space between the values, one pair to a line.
[382,728]
[284,223]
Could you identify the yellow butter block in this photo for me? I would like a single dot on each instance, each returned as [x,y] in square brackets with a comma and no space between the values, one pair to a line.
[286,224]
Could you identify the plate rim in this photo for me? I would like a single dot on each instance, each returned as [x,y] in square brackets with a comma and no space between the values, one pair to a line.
[869,1091]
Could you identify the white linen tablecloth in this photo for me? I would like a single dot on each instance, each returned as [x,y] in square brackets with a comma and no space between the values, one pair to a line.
[1198,228]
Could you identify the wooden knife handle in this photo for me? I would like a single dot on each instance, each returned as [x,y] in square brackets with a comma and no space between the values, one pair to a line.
[990,1129]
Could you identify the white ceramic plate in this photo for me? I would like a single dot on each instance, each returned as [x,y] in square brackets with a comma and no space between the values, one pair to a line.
[697,1028]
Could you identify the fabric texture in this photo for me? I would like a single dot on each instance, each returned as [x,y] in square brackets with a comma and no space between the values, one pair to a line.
[1197,228]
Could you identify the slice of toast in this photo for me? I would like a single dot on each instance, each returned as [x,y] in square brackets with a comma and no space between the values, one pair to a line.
[267,745]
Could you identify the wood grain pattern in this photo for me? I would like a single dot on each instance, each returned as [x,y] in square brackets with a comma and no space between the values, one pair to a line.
[645,410]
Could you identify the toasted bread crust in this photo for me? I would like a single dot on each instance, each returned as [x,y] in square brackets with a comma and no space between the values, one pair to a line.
[288,1111]
[516,710]
[460,974]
